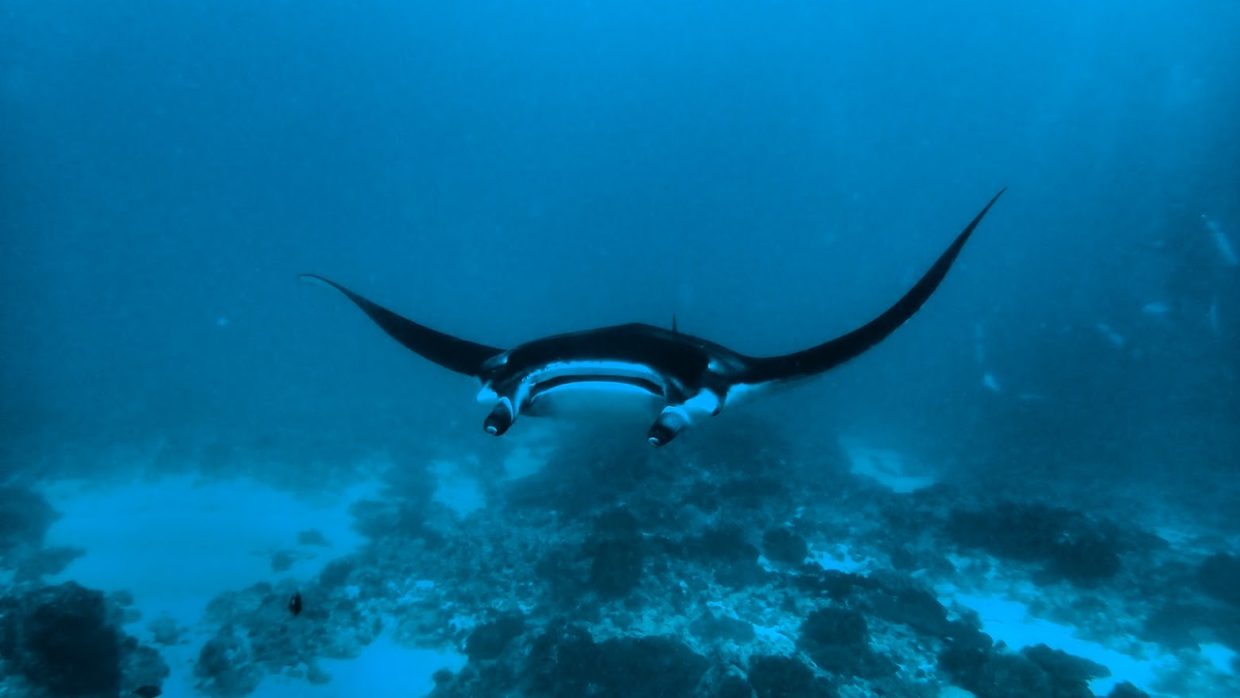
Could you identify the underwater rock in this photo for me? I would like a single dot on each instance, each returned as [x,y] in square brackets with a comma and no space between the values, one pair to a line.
[965,657]
[225,666]
[61,641]
[616,523]
[1009,676]
[900,602]
[838,640]
[336,573]
[724,542]
[834,584]
[710,627]
[34,564]
[566,662]
[785,677]
[282,561]
[489,640]
[727,552]
[733,687]
[25,516]
[782,545]
[558,571]
[164,630]
[615,553]
[1219,576]
[65,641]
[704,496]
[313,537]
[1127,690]
[1069,545]
[1069,675]
[560,662]
[403,519]
[256,635]
[752,492]
[143,666]
[974,663]
[1175,624]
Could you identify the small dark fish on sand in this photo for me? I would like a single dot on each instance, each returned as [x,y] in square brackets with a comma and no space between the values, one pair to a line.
[294,604]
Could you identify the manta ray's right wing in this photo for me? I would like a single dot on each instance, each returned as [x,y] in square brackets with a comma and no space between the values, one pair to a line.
[830,354]
[453,353]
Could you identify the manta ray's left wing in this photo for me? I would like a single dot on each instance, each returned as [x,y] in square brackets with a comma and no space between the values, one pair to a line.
[453,353]
[830,354]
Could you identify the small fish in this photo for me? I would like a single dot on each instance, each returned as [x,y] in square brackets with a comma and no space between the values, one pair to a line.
[148,691]
[294,603]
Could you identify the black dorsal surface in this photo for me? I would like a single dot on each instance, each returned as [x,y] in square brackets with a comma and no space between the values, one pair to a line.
[689,375]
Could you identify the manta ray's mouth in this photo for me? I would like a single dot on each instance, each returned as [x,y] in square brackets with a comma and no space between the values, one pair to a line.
[594,395]
[599,383]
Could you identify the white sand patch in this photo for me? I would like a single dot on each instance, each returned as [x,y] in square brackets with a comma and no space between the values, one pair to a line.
[1221,657]
[384,669]
[1151,669]
[456,490]
[177,542]
[1010,622]
[886,467]
[523,461]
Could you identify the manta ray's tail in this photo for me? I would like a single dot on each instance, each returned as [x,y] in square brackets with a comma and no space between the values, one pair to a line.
[453,353]
[836,351]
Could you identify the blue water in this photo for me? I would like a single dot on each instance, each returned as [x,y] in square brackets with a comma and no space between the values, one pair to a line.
[188,435]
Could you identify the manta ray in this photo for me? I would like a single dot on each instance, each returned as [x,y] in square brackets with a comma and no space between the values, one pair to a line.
[678,377]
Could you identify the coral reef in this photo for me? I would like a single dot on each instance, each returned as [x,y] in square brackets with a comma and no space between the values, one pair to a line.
[1069,545]
[66,640]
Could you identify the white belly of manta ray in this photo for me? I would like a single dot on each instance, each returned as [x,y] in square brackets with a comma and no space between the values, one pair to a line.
[589,389]
[595,399]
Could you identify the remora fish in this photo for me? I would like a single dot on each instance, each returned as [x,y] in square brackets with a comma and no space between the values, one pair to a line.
[681,377]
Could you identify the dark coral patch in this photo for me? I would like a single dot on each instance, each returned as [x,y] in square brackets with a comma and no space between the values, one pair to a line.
[65,641]
[616,554]
[1069,675]
[782,545]
[489,640]
[1219,576]
[908,605]
[973,662]
[838,640]
[727,550]
[566,662]
[1069,545]
[785,677]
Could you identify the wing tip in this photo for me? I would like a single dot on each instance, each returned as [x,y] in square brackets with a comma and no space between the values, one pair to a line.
[317,280]
[994,198]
